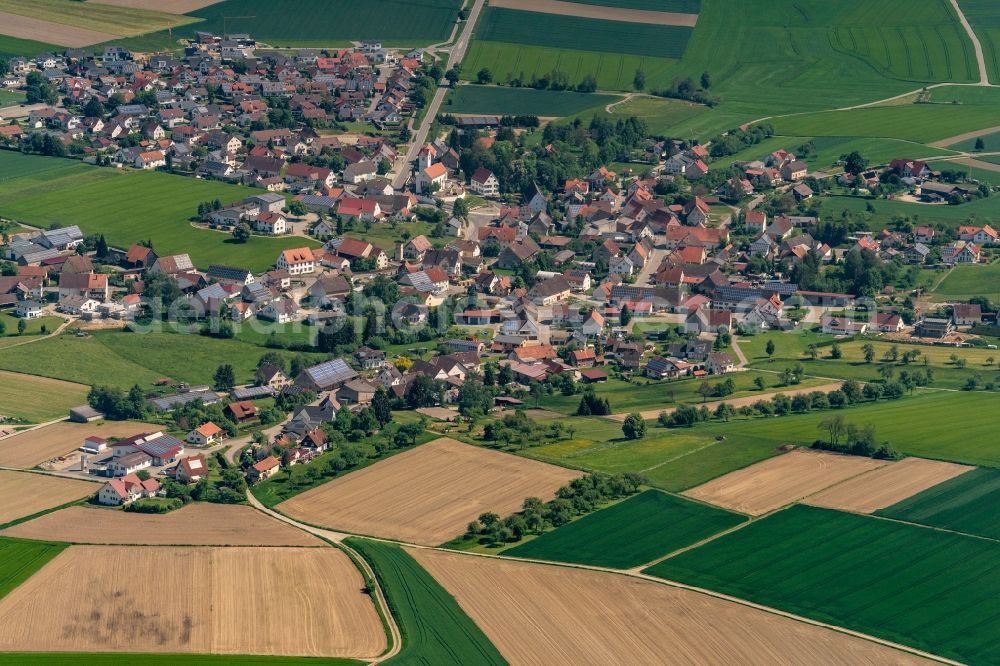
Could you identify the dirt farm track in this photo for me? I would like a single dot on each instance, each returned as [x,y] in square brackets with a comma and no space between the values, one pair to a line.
[540,614]
[268,601]
[194,525]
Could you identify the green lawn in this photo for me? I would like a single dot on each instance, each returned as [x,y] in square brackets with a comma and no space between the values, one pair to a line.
[11,97]
[435,629]
[928,589]
[35,399]
[130,206]
[964,282]
[11,47]
[662,116]
[33,326]
[507,101]
[967,503]
[19,559]
[111,19]
[83,360]
[638,530]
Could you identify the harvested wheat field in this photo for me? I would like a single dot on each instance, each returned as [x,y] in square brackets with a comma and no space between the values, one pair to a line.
[23,494]
[887,485]
[779,481]
[269,601]
[429,494]
[599,12]
[34,447]
[25,27]
[540,614]
[194,525]
[168,6]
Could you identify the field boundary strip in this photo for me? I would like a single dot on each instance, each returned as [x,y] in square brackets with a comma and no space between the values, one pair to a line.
[562,8]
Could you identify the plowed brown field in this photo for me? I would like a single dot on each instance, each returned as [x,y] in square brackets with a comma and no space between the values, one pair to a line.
[269,601]
[887,485]
[194,525]
[773,483]
[429,494]
[540,614]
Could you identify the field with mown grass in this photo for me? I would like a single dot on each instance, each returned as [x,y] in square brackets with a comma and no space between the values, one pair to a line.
[984,17]
[983,210]
[505,101]
[37,399]
[435,629]
[128,206]
[32,327]
[928,589]
[967,503]
[635,531]
[11,47]
[964,282]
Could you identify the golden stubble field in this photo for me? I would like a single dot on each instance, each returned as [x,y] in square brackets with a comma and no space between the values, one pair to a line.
[779,481]
[32,447]
[194,525]
[267,601]
[23,493]
[169,6]
[541,614]
[887,485]
[26,27]
[429,494]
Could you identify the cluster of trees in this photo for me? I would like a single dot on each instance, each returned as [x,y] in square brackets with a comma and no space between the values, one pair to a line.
[579,149]
[736,140]
[578,497]
[229,488]
[849,438]
[191,415]
[684,88]
[861,272]
[39,90]
[517,430]
[44,144]
[593,405]
[849,393]
[118,405]
[554,80]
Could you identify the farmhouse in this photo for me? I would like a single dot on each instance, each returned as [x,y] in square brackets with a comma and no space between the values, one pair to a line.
[484,183]
[298,261]
[264,469]
[191,469]
[206,434]
[118,492]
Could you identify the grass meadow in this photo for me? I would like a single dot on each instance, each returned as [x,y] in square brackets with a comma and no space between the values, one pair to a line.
[19,559]
[967,281]
[627,534]
[984,17]
[983,210]
[966,503]
[128,206]
[920,123]
[11,47]
[434,628]
[928,589]
[522,101]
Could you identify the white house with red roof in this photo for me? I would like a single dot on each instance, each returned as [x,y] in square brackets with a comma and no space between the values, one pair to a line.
[363,210]
[297,261]
[206,434]
[428,177]
[127,489]
[484,183]
[273,224]
[191,469]
[983,235]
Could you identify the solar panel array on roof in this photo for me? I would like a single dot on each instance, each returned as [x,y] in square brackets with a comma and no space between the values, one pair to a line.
[330,373]
[252,393]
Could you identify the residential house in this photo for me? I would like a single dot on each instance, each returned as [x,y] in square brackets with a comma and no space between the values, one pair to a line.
[127,489]
[191,469]
[484,183]
[207,434]
[297,261]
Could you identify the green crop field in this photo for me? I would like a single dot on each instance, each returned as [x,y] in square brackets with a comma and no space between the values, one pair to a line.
[984,17]
[29,398]
[111,19]
[130,206]
[124,359]
[583,34]
[334,22]
[662,116]
[521,101]
[13,46]
[966,281]
[921,123]
[929,589]
[19,559]
[967,503]
[638,530]
[435,629]
[155,659]
[614,71]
